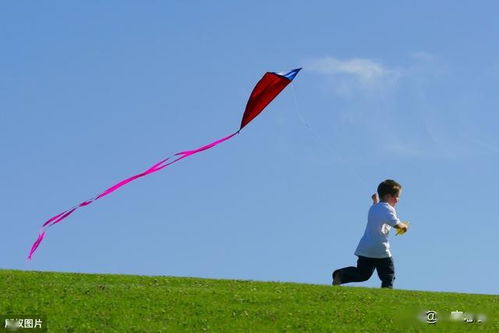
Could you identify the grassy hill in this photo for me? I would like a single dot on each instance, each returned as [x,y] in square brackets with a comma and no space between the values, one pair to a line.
[124,303]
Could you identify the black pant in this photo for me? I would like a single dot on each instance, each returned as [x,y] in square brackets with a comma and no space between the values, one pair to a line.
[365,268]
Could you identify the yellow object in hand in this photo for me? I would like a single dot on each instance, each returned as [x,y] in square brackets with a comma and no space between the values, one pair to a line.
[402,231]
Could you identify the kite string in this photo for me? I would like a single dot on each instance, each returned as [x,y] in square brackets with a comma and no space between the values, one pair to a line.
[155,168]
[318,137]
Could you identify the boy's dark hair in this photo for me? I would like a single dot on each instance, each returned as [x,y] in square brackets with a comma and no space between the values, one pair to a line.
[388,186]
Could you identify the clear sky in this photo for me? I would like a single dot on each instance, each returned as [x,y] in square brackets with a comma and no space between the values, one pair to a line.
[92,92]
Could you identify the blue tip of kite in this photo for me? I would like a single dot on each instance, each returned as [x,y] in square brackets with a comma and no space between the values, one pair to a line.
[291,74]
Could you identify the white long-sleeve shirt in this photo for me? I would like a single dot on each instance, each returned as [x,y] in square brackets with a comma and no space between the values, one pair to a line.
[374,244]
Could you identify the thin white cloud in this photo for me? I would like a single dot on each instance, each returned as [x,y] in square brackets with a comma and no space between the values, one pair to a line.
[366,72]
[356,73]
[401,103]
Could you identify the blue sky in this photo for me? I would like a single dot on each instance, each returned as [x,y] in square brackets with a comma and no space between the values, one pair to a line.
[93,92]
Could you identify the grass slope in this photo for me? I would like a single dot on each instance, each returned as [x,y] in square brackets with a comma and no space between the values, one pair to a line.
[124,303]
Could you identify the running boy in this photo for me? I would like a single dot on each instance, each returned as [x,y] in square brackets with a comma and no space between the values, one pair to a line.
[373,249]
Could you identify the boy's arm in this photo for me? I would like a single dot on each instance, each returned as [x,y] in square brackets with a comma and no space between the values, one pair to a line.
[375,198]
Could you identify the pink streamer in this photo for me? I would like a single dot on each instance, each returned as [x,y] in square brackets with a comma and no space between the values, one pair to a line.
[208,146]
[155,168]
[113,188]
[36,243]
[53,218]
[66,214]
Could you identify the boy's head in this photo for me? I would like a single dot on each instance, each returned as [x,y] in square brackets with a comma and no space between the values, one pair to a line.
[389,191]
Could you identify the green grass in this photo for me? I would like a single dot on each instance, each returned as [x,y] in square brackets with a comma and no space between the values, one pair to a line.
[125,303]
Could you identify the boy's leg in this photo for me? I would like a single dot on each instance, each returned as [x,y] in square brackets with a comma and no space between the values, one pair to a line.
[386,272]
[363,271]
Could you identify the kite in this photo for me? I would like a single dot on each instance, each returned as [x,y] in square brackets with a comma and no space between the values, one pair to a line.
[269,86]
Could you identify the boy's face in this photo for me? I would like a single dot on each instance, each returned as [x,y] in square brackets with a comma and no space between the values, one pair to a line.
[392,200]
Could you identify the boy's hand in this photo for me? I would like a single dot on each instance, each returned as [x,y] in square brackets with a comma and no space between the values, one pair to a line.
[402,228]
[375,198]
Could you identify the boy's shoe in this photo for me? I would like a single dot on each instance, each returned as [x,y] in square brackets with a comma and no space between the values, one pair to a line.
[336,278]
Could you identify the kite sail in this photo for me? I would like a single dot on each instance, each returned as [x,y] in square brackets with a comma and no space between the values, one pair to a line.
[269,86]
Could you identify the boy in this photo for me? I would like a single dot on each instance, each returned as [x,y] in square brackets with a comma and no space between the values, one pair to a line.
[373,249]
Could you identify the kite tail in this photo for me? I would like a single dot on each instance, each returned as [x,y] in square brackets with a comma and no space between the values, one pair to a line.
[36,244]
[155,168]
